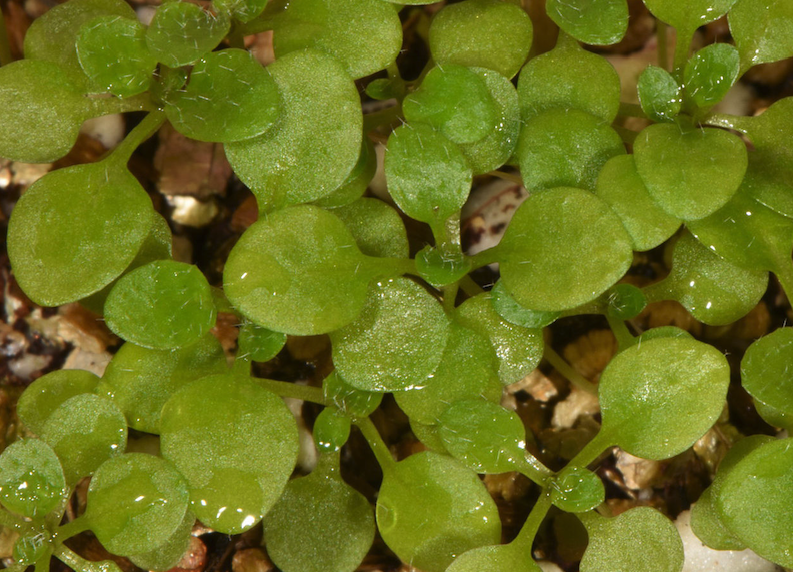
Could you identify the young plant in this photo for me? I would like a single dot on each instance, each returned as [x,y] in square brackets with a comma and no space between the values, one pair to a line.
[323,259]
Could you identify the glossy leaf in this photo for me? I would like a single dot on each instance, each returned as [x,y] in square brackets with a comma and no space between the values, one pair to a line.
[331,430]
[569,77]
[161,305]
[598,22]
[230,97]
[638,539]
[236,456]
[181,32]
[42,397]
[259,344]
[85,431]
[690,172]
[659,397]
[242,10]
[41,111]
[319,524]
[518,349]
[619,184]
[57,260]
[318,138]
[134,502]
[140,380]
[353,402]
[563,248]
[659,94]
[565,148]
[766,371]
[31,479]
[113,54]
[455,101]
[710,73]
[285,271]
[325,25]
[754,501]
[689,16]
[507,307]
[169,554]
[577,489]
[467,370]
[427,175]
[431,509]
[482,33]
[625,301]
[512,557]
[377,227]
[440,268]
[762,30]
[396,342]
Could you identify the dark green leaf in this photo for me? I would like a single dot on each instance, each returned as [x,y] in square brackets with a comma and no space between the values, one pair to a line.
[181,32]
[598,22]
[659,94]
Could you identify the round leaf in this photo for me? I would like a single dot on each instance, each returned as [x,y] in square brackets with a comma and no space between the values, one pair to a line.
[689,16]
[181,32]
[576,489]
[331,430]
[567,148]
[658,397]
[31,479]
[259,344]
[766,371]
[377,227]
[242,10]
[318,138]
[230,97]
[659,94]
[506,307]
[563,248]
[161,305]
[396,342]
[427,175]
[710,73]
[512,557]
[356,183]
[76,230]
[286,270]
[598,22]
[690,172]
[167,555]
[347,399]
[482,33]
[762,30]
[46,394]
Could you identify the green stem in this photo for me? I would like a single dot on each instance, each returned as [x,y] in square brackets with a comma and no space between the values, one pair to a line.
[449,297]
[376,443]
[663,52]
[236,38]
[511,177]
[531,467]
[624,337]
[5,46]
[682,43]
[73,528]
[470,287]
[592,450]
[632,110]
[394,266]
[528,531]
[488,256]
[291,390]
[145,129]
[387,116]
[78,563]
[567,371]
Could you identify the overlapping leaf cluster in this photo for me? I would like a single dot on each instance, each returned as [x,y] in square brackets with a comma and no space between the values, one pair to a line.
[323,259]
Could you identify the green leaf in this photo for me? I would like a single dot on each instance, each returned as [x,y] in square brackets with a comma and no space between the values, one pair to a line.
[31,479]
[134,502]
[710,73]
[619,184]
[577,489]
[237,454]
[598,22]
[242,10]
[467,370]
[356,183]
[112,52]
[161,305]
[491,152]
[259,344]
[484,436]
[42,111]
[46,394]
[455,101]
[286,272]
[569,77]
[659,94]
[319,524]
[518,349]
[230,97]
[85,431]
[181,32]
[690,172]
[427,175]
[625,301]
[331,430]
[377,227]
[638,539]
[563,248]
[396,342]
[715,291]
[431,509]
[765,370]
[762,30]
[441,268]
[690,15]
[167,555]
[506,307]
[754,500]
[325,25]
[565,148]
[53,36]
[482,33]
[512,557]
[658,397]
[140,380]
[318,138]
[349,400]
[76,230]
